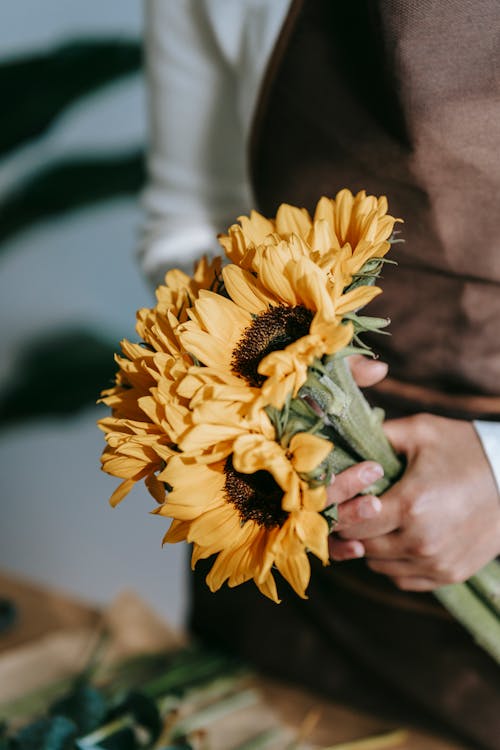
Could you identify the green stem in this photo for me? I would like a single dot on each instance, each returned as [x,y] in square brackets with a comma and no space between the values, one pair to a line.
[352,417]
[481,622]
[486,583]
[475,603]
[262,740]
[199,669]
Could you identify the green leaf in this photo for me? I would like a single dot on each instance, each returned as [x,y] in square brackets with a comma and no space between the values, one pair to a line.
[68,185]
[367,323]
[369,273]
[57,374]
[331,514]
[84,705]
[347,351]
[56,733]
[190,668]
[37,88]
[301,418]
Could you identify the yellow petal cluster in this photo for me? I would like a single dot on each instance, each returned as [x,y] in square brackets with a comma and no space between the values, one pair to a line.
[147,413]
[188,408]
[237,494]
[342,235]
[274,322]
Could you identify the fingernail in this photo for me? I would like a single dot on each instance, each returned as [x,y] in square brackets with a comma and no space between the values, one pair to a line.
[357,549]
[382,367]
[370,507]
[371,472]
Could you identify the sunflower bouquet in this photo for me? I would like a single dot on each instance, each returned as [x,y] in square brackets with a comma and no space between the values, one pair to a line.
[238,405]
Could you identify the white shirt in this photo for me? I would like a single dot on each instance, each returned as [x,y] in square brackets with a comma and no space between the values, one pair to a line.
[205,60]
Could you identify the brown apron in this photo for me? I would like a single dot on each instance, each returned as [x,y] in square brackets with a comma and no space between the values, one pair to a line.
[401,99]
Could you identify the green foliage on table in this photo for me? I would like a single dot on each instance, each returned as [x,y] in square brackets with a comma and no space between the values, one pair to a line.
[134,705]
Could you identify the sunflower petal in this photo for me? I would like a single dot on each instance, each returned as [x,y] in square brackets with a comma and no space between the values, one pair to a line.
[293,220]
[296,570]
[244,291]
[312,530]
[177,532]
[356,298]
[256,228]
[215,526]
[308,451]
[121,491]
[268,588]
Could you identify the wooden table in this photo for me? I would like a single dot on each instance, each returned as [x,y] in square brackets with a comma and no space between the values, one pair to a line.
[54,633]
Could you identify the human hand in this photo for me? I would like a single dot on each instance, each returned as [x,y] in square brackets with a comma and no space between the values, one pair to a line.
[440,523]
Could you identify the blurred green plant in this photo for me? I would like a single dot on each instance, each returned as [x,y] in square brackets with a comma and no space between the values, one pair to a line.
[57,374]
[68,185]
[63,370]
[39,87]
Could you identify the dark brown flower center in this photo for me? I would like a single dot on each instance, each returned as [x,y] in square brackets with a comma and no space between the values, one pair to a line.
[257,497]
[273,330]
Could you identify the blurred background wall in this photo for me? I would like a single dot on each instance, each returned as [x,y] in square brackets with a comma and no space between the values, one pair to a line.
[72,137]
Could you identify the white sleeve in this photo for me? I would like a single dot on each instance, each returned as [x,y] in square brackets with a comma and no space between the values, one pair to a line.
[197,182]
[489,434]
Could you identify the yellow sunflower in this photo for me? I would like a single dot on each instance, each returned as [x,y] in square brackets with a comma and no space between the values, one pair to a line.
[180,289]
[137,446]
[273,324]
[345,232]
[147,413]
[236,493]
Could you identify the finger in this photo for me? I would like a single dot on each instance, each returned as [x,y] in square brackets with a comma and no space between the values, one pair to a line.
[415,583]
[392,546]
[386,521]
[340,550]
[366,371]
[352,481]
[357,510]
[397,568]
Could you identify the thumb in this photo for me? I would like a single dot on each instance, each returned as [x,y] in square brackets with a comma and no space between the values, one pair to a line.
[366,371]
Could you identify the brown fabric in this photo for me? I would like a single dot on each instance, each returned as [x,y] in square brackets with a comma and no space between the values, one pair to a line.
[399,98]
[404,398]
[401,663]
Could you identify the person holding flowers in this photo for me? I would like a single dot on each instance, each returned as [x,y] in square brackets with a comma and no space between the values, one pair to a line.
[384,100]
